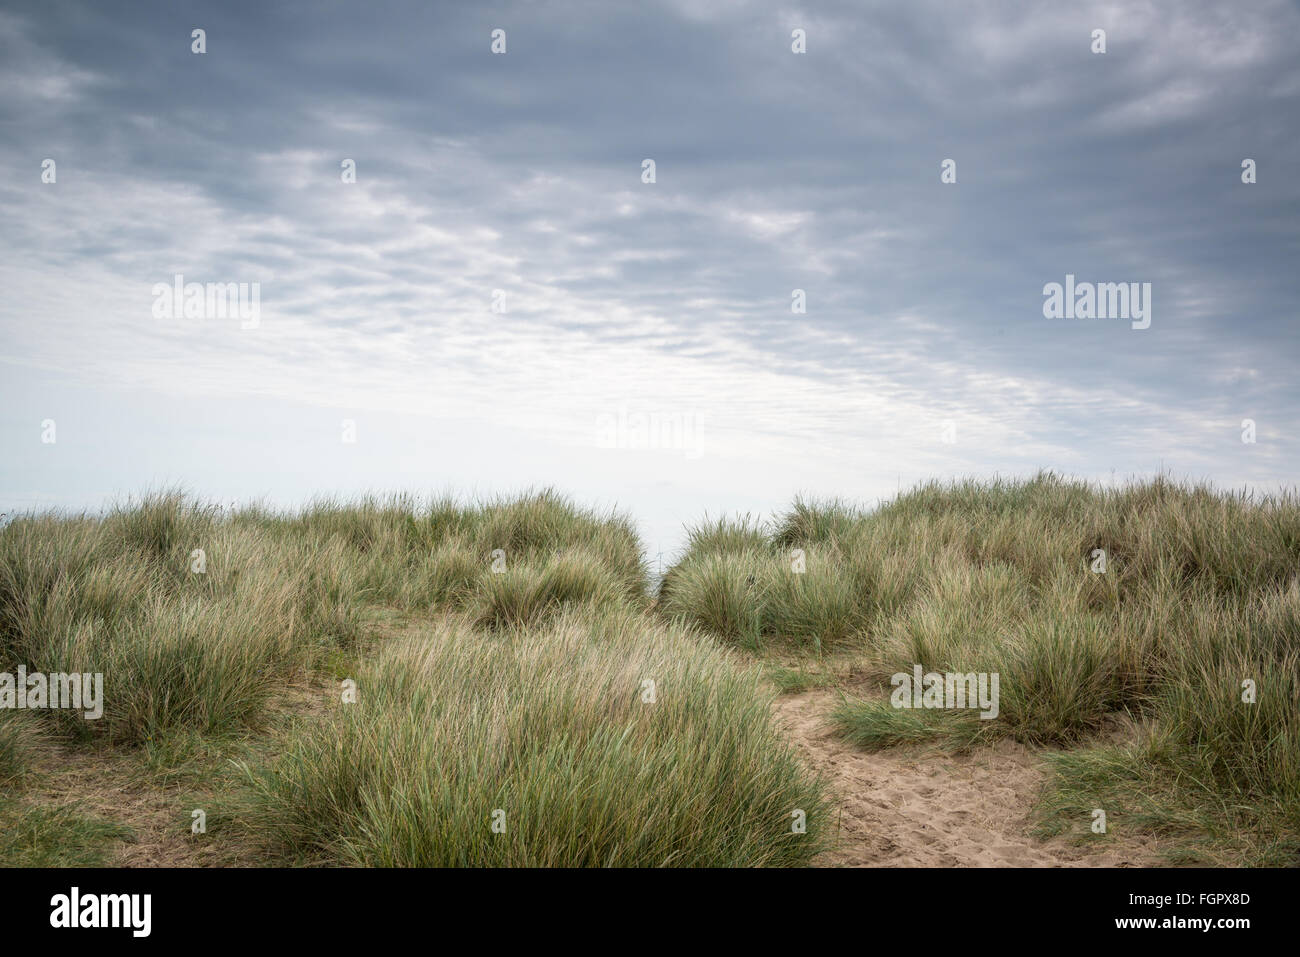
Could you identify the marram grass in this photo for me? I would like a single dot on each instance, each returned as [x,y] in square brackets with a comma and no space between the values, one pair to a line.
[600,739]
[195,616]
[1195,609]
[524,689]
[520,688]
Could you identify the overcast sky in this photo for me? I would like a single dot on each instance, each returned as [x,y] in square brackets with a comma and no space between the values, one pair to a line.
[923,352]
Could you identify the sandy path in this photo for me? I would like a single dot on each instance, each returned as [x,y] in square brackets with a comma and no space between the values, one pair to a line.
[903,808]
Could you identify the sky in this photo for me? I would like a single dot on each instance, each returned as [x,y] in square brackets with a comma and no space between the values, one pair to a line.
[503,298]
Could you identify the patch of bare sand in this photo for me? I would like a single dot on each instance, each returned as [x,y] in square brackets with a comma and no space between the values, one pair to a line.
[907,808]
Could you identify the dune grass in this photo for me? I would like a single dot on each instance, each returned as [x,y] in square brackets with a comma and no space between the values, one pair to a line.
[738,585]
[598,739]
[195,617]
[517,683]
[1198,602]
[523,690]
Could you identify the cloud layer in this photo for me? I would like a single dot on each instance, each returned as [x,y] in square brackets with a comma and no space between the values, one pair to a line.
[923,351]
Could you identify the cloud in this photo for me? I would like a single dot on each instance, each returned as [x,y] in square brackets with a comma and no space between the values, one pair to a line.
[775,172]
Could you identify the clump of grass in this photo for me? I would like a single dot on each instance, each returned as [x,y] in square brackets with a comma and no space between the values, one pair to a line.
[874,725]
[523,596]
[710,539]
[814,523]
[818,605]
[169,654]
[548,733]
[733,582]
[723,594]
[165,526]
[533,528]
[796,680]
[449,575]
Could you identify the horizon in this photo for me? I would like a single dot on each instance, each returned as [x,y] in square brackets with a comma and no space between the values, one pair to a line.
[420,502]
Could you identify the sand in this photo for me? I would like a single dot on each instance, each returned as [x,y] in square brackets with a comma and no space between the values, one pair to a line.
[912,808]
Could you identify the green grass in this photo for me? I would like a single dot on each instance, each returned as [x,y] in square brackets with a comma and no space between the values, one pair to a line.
[1148,786]
[550,727]
[875,725]
[739,588]
[19,740]
[526,595]
[522,690]
[33,835]
[525,631]
[1200,593]
[190,642]
[797,680]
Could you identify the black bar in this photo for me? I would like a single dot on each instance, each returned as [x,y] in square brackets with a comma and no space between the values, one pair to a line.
[341,907]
